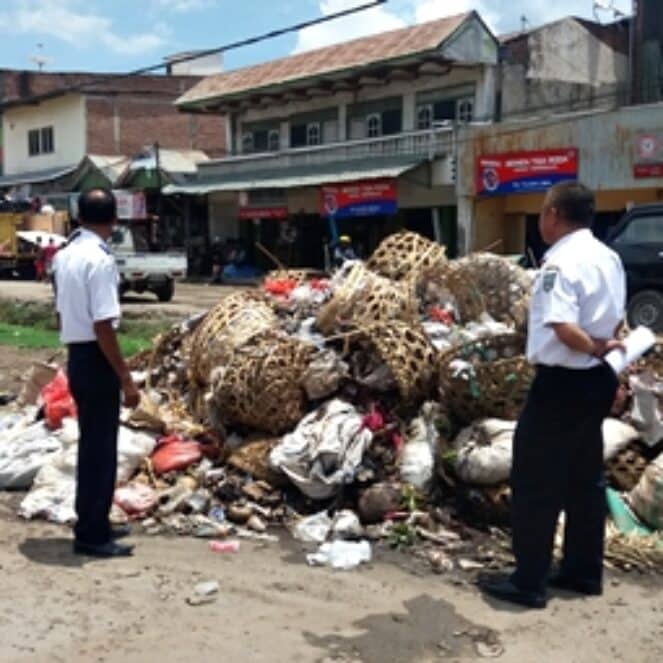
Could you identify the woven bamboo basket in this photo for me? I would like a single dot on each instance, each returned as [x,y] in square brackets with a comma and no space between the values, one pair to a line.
[496,383]
[408,353]
[366,297]
[253,459]
[229,325]
[625,469]
[453,279]
[504,286]
[261,385]
[406,255]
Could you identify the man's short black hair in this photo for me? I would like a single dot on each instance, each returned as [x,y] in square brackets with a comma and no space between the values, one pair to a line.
[97,206]
[574,202]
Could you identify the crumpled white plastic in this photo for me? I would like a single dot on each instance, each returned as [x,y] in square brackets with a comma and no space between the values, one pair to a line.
[325,450]
[24,448]
[54,488]
[343,555]
[417,462]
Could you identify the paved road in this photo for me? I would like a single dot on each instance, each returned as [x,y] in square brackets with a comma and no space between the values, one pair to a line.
[189,298]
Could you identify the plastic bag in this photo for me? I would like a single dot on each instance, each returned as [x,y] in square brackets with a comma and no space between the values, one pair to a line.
[175,453]
[54,488]
[313,529]
[342,555]
[136,499]
[58,401]
[417,463]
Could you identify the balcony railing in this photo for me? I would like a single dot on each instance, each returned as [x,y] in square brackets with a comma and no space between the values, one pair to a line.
[425,144]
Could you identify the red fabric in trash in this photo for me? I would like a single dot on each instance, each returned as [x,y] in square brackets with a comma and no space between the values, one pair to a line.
[438,314]
[280,286]
[176,453]
[58,401]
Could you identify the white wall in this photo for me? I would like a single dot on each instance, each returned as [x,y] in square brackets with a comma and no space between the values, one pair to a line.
[479,75]
[67,117]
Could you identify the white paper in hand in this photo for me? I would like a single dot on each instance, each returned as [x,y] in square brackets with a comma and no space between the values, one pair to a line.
[637,343]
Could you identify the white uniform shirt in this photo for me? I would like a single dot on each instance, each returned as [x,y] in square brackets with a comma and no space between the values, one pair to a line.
[582,282]
[86,281]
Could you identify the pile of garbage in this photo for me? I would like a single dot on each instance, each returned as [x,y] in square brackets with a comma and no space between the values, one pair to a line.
[376,405]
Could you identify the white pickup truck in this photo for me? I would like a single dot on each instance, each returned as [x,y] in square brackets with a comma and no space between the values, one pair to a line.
[142,271]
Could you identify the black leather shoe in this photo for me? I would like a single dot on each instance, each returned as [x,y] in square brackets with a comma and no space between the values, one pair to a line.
[559,580]
[110,549]
[120,531]
[504,590]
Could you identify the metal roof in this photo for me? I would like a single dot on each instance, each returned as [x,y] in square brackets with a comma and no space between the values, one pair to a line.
[357,53]
[288,178]
[35,177]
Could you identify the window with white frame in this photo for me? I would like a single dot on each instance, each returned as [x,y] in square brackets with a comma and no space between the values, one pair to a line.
[425,117]
[40,141]
[313,133]
[274,140]
[374,125]
[247,143]
[465,110]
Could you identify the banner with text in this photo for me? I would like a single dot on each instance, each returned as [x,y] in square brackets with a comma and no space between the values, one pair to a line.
[352,199]
[525,172]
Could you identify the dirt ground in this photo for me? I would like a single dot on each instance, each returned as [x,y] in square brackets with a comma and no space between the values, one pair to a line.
[272,607]
[189,298]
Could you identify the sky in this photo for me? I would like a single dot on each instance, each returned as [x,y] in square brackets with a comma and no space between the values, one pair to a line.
[121,35]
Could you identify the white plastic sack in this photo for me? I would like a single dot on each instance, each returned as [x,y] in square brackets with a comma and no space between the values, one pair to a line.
[484,451]
[23,451]
[325,450]
[646,414]
[616,437]
[54,489]
[342,555]
[346,525]
[417,462]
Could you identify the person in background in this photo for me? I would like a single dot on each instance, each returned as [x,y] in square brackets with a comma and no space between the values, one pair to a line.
[40,265]
[344,251]
[577,307]
[49,254]
[87,301]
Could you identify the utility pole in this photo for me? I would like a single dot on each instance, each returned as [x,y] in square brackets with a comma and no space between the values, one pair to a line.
[162,227]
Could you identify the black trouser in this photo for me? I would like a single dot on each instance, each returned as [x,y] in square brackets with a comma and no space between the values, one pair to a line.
[96,390]
[558,465]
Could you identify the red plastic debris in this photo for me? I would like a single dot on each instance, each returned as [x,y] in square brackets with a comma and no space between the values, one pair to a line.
[135,499]
[438,314]
[280,287]
[58,401]
[176,453]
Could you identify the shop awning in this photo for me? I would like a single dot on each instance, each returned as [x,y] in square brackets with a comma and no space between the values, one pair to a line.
[35,177]
[299,176]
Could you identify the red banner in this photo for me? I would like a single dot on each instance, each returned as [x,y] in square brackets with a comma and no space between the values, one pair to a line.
[525,172]
[365,198]
[248,213]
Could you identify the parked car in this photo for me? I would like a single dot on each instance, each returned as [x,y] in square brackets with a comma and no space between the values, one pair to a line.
[142,271]
[638,239]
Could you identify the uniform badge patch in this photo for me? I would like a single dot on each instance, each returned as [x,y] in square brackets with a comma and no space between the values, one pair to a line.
[549,279]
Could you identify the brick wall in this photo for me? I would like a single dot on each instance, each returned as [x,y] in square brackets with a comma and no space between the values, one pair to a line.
[125,124]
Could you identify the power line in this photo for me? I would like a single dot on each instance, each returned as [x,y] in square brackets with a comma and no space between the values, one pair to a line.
[200,54]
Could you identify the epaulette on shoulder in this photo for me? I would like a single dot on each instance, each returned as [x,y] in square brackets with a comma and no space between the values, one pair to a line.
[75,235]
[105,248]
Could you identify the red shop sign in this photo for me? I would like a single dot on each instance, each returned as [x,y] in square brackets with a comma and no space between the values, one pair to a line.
[365,198]
[248,213]
[525,172]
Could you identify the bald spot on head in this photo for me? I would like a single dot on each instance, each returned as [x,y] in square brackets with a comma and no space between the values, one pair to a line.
[97,207]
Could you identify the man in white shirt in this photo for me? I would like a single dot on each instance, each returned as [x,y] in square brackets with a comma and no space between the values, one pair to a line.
[578,304]
[87,301]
